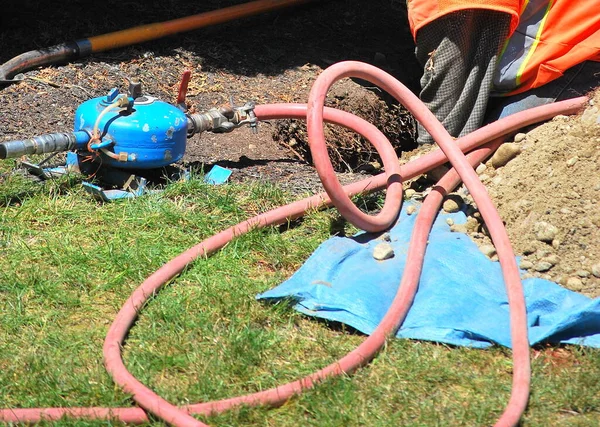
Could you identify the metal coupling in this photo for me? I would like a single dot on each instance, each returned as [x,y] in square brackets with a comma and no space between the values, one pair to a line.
[223,119]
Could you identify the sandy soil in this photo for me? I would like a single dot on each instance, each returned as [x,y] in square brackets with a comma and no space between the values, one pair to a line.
[554,181]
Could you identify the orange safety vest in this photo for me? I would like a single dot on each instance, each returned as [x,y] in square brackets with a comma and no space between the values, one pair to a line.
[547,37]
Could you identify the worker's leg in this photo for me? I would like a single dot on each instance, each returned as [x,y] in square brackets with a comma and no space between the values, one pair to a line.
[458,54]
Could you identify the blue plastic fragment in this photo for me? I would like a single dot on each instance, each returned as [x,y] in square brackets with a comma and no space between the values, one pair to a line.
[461,298]
[217,175]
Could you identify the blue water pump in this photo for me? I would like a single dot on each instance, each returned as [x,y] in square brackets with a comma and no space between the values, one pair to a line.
[133,131]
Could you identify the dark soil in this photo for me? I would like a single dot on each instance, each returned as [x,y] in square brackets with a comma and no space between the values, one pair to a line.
[269,58]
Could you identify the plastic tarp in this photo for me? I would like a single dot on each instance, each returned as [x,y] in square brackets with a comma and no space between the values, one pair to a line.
[461,298]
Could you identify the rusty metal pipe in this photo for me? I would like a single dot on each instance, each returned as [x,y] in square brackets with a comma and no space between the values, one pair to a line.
[10,72]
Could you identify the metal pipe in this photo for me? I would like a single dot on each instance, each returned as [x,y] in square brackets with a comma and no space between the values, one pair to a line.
[10,71]
[48,143]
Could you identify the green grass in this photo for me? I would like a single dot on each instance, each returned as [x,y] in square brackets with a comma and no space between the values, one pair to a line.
[67,263]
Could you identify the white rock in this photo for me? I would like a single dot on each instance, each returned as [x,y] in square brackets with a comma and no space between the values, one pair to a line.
[488,250]
[596,270]
[520,137]
[479,169]
[572,161]
[542,266]
[383,251]
[410,210]
[574,283]
[590,115]
[583,273]
[545,231]
[526,265]
[409,192]
[551,259]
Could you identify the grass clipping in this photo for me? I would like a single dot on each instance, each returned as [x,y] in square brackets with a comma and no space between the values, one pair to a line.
[348,151]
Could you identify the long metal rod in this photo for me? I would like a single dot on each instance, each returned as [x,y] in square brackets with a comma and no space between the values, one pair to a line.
[10,71]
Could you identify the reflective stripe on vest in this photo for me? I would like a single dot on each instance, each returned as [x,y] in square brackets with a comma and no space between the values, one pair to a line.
[521,45]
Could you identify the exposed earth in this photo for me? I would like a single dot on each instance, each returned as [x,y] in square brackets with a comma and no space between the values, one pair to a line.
[548,194]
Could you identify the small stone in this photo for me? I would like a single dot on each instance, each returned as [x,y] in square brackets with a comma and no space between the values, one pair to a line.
[481,168]
[472,224]
[251,146]
[545,231]
[542,266]
[551,259]
[452,204]
[583,273]
[560,118]
[596,270]
[409,193]
[574,283]
[385,237]
[590,115]
[572,161]
[520,137]
[488,250]
[496,180]
[410,210]
[504,154]
[484,177]
[375,165]
[458,228]
[450,221]
[526,265]
[383,251]
[556,243]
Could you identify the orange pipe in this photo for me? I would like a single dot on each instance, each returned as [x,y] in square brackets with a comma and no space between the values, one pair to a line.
[148,32]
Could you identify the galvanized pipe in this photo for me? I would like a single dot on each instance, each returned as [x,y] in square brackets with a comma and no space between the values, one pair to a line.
[48,143]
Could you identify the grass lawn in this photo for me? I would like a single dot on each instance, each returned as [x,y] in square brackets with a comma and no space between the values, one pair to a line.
[67,263]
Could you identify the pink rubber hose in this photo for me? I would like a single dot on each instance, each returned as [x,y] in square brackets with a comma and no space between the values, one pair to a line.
[126,317]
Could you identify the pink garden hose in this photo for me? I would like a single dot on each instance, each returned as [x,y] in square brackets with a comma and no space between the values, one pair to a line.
[314,112]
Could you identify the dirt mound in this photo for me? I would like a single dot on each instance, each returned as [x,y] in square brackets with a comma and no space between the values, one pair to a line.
[548,196]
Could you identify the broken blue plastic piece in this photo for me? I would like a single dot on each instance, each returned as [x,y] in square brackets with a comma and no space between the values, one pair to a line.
[217,175]
[112,195]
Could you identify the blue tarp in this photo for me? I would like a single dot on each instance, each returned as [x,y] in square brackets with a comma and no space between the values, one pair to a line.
[461,298]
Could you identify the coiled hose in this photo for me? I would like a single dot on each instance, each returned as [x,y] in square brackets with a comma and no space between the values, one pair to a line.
[314,111]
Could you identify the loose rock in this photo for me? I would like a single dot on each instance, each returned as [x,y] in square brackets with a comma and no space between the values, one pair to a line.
[481,168]
[488,250]
[574,283]
[583,273]
[409,192]
[551,259]
[526,265]
[596,270]
[411,210]
[505,154]
[520,137]
[542,266]
[545,231]
[452,204]
[383,251]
